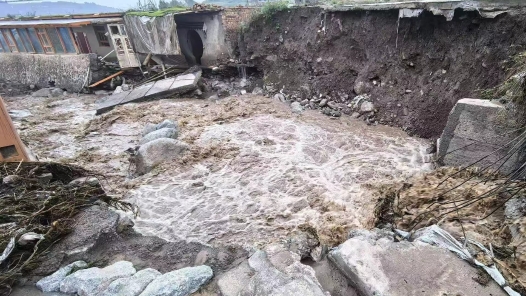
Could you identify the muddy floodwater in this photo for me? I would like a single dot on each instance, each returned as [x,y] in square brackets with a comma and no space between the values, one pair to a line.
[271,171]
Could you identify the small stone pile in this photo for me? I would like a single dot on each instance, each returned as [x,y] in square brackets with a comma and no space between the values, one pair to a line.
[121,278]
[158,144]
[361,106]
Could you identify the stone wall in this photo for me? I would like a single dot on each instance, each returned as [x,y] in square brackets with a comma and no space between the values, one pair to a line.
[68,71]
[233,20]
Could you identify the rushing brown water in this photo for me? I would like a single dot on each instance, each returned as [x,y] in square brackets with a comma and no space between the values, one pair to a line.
[290,170]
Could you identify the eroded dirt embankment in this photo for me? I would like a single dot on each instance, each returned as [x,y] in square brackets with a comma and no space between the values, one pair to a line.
[415,71]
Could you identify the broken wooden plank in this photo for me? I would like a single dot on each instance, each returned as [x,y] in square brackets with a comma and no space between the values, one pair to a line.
[107,78]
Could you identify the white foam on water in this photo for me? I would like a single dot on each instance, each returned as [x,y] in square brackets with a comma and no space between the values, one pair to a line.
[286,170]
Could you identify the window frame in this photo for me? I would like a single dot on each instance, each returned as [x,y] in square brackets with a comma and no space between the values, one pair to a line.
[101,29]
[43,32]
[10,39]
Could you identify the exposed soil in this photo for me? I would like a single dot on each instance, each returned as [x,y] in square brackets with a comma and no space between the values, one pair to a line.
[415,71]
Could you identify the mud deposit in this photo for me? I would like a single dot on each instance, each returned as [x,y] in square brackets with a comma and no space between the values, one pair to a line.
[415,69]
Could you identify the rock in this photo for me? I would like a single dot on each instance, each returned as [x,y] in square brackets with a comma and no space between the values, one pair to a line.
[302,243]
[10,179]
[278,272]
[93,281]
[157,151]
[168,133]
[213,98]
[56,92]
[43,92]
[361,87]
[280,97]
[432,148]
[92,181]
[180,282]
[118,90]
[101,92]
[29,238]
[32,86]
[90,224]
[131,286]
[296,107]
[19,114]
[223,90]
[124,224]
[323,103]
[52,283]
[150,127]
[367,107]
[65,93]
[167,124]
[243,92]
[332,105]
[257,91]
[125,87]
[377,265]
[232,282]
[304,102]
[336,113]
[355,115]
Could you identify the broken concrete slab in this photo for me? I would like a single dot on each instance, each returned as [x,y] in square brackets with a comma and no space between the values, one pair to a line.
[161,88]
[108,103]
[475,129]
[376,265]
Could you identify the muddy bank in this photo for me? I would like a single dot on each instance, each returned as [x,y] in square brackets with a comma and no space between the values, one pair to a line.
[415,69]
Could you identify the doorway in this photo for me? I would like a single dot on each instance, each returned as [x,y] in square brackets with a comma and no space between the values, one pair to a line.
[196,45]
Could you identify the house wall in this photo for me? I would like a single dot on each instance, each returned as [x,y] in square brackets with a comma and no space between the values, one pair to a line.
[214,43]
[94,43]
[233,19]
[68,71]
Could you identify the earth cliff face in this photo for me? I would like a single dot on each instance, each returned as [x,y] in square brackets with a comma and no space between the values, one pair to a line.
[414,69]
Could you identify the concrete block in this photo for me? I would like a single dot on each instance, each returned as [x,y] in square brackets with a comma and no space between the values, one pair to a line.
[376,265]
[475,129]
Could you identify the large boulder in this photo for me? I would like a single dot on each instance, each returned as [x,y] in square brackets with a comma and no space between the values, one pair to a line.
[157,151]
[93,281]
[131,286]
[181,282]
[52,283]
[275,271]
[89,225]
[377,265]
[166,132]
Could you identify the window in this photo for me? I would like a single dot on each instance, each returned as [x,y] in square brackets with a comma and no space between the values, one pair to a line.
[9,40]
[55,40]
[46,43]
[4,43]
[25,39]
[68,42]
[100,32]
[18,40]
[33,36]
